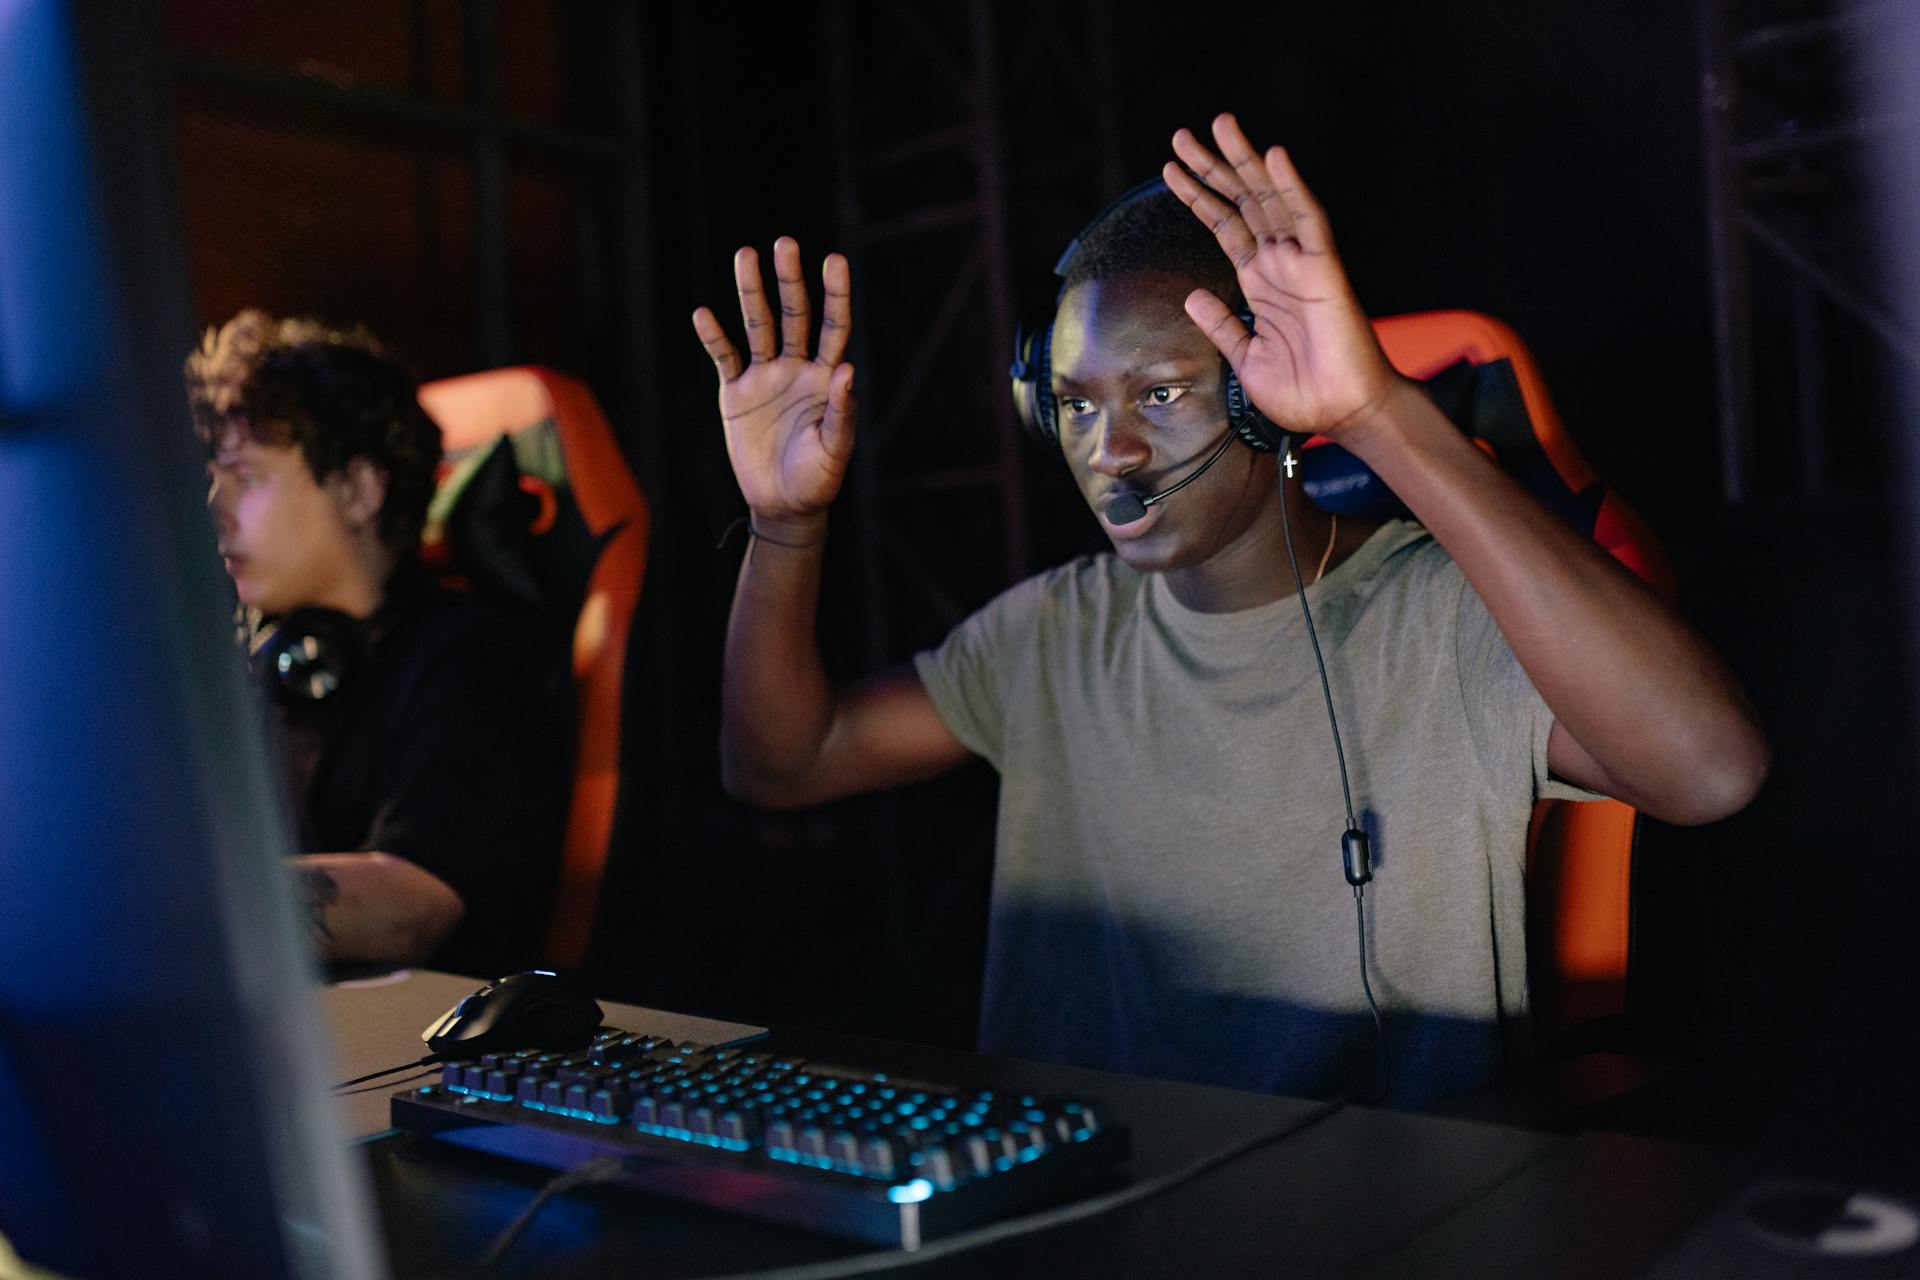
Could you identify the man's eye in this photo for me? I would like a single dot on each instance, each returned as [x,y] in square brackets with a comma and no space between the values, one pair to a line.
[1165,395]
[1076,405]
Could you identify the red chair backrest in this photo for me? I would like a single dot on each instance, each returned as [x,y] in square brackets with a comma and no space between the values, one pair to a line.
[1580,855]
[474,411]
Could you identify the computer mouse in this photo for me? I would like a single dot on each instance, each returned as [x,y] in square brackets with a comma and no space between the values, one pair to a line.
[534,1010]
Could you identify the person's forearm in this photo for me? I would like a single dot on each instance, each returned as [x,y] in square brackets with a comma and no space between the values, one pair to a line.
[776,704]
[1639,691]
[374,906]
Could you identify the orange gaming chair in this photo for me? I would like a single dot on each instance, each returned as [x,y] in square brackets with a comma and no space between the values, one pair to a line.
[1579,855]
[474,412]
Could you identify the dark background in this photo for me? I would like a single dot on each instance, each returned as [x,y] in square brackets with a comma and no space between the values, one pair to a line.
[492,183]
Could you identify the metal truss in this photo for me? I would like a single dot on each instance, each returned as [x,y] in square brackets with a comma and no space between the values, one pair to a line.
[1782,141]
[957,153]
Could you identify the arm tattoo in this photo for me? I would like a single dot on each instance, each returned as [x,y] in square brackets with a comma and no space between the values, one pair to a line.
[322,892]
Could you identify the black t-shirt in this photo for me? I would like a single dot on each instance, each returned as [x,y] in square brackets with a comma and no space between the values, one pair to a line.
[449,749]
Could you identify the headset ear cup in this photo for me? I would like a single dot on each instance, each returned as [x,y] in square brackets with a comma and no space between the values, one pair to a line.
[312,656]
[1248,422]
[1032,373]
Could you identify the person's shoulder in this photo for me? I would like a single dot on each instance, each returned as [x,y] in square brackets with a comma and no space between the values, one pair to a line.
[438,618]
[1404,557]
[1403,581]
[452,640]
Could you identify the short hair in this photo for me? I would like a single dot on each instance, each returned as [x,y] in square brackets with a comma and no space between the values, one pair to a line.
[335,393]
[1154,233]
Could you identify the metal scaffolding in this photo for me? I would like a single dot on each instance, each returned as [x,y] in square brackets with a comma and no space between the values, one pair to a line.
[960,171]
[1782,135]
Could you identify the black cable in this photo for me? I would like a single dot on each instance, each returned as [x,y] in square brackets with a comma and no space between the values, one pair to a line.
[426,1073]
[1227,437]
[607,1168]
[1340,755]
[1313,637]
[726,534]
[1033,1223]
[1379,1028]
[427,1061]
[600,1169]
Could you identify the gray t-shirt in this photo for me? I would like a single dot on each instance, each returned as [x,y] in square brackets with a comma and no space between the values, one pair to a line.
[1167,893]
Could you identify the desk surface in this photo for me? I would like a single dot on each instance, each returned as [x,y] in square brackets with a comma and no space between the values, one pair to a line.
[1363,1192]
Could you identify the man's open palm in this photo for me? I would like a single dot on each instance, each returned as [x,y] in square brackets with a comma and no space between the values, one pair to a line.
[788,418]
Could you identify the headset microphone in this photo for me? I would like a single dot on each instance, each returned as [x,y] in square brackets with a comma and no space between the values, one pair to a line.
[1125,508]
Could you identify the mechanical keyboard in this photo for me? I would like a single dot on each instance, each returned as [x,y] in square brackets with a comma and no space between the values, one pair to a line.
[831,1148]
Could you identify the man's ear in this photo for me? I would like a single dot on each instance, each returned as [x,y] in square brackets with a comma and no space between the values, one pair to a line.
[361,490]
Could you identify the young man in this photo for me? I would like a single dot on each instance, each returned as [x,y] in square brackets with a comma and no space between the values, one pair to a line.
[422,748]
[1168,894]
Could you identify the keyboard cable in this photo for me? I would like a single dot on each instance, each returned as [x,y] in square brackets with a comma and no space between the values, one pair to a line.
[609,1168]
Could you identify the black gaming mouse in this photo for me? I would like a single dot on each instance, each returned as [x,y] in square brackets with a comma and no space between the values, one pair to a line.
[533,1010]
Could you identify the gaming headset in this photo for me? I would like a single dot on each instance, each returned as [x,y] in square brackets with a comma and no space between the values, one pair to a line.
[310,655]
[1032,368]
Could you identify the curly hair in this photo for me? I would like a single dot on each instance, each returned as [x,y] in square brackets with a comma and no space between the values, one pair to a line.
[336,393]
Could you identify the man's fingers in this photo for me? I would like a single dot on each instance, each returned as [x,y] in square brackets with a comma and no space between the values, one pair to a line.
[714,338]
[796,316]
[1223,328]
[1228,227]
[753,304]
[1261,192]
[836,427]
[836,323]
[1309,221]
[1225,181]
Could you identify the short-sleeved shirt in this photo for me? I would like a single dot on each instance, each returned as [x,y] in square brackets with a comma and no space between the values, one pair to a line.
[449,749]
[1168,896]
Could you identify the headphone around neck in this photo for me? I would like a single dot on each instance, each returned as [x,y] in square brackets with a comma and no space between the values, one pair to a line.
[314,655]
[1032,367]
[310,655]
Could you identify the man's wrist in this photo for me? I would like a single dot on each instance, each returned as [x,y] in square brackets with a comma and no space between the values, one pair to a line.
[322,891]
[1395,421]
[788,531]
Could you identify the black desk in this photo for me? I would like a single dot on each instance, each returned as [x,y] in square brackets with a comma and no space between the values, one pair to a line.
[1363,1192]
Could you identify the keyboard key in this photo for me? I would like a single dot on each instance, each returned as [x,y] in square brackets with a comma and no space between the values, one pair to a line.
[737,1126]
[939,1166]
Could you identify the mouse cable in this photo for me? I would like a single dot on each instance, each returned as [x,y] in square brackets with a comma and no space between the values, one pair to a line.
[1354,835]
[1045,1220]
[427,1061]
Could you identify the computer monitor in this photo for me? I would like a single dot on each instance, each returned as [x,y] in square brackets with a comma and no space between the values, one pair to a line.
[163,1105]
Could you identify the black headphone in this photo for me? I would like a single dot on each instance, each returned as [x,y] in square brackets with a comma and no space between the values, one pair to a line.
[1032,368]
[313,655]
[310,656]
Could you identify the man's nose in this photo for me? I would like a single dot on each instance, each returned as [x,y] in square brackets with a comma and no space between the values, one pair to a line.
[218,504]
[1120,443]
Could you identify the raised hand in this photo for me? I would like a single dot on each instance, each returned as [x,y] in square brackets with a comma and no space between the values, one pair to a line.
[788,418]
[1312,363]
